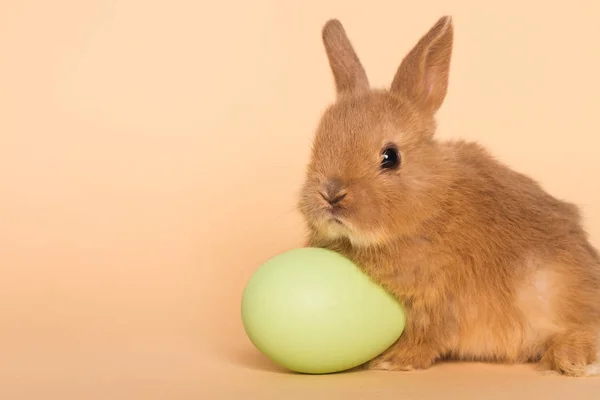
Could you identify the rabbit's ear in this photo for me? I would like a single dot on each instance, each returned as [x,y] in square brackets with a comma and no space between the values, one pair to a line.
[423,74]
[348,72]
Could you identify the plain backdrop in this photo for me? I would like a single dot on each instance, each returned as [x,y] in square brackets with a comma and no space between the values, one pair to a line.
[151,153]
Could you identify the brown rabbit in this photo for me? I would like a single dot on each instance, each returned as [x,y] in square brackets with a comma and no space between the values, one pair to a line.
[488,265]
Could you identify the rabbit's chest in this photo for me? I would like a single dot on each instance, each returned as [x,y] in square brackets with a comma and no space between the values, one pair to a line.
[418,276]
[418,271]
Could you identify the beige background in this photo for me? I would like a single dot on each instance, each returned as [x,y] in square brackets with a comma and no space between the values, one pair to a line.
[150,157]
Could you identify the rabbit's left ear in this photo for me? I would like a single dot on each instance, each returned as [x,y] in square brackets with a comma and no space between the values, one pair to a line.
[422,77]
[348,72]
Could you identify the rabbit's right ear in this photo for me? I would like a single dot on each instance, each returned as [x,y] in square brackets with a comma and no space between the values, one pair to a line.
[348,72]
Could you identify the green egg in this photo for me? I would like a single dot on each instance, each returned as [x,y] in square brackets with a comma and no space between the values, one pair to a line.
[314,311]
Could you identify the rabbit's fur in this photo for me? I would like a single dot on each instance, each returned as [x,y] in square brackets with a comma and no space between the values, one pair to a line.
[487,264]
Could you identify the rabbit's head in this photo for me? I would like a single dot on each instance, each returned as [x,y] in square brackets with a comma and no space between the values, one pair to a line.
[375,170]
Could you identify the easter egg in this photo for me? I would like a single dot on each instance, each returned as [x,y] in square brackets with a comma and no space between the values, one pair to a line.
[312,310]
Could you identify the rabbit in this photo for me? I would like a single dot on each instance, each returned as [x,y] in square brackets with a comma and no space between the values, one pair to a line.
[488,266]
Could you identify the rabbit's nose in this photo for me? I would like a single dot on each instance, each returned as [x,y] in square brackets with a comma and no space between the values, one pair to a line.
[333,191]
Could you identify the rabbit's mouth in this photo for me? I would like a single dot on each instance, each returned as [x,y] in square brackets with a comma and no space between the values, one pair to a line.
[336,228]
[334,221]
[332,225]
[333,217]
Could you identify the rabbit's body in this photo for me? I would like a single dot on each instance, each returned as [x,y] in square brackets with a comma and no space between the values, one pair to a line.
[495,274]
[487,264]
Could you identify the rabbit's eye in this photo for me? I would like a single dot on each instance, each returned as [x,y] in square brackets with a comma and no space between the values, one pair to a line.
[390,158]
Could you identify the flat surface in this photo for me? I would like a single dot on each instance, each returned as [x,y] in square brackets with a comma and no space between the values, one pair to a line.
[151,154]
[186,374]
